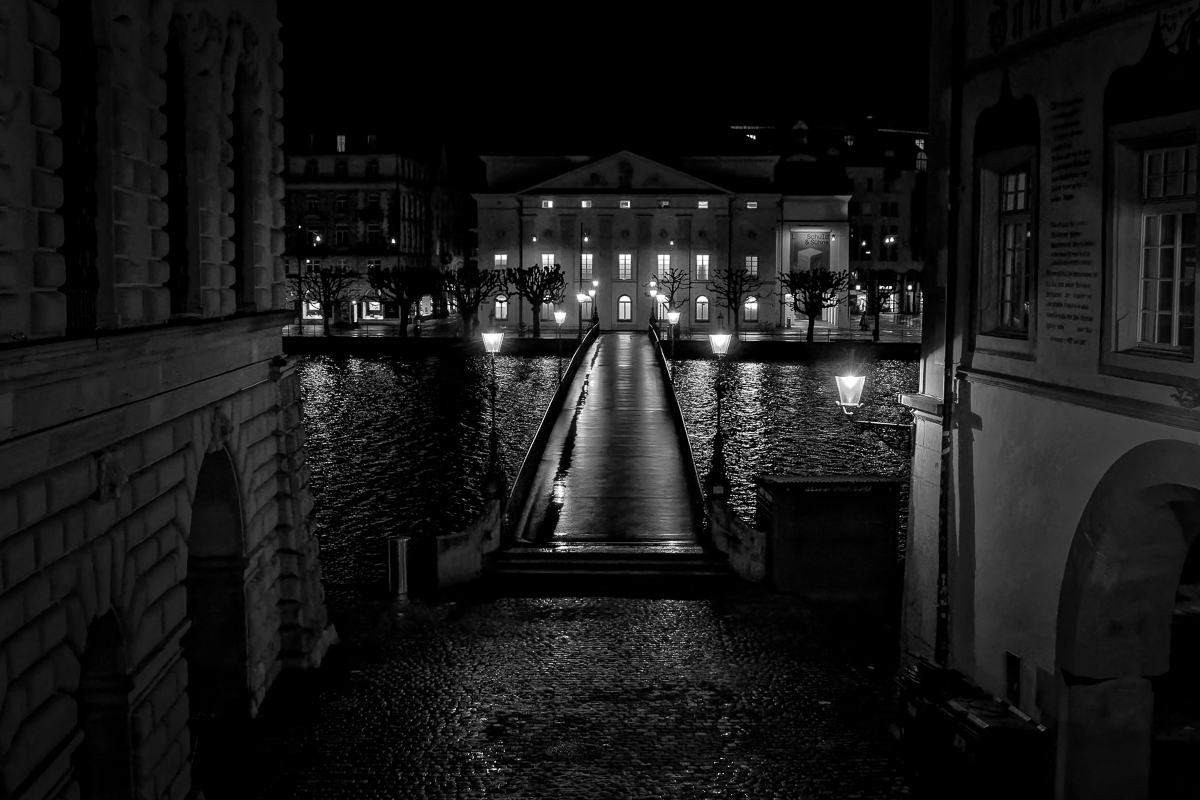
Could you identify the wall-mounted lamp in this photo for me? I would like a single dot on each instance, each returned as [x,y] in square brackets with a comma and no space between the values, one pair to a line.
[850,389]
[535,238]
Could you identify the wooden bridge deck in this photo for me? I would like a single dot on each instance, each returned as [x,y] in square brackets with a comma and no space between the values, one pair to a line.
[613,470]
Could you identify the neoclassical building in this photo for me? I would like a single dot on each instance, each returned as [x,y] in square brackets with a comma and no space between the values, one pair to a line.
[157,564]
[1052,556]
[616,222]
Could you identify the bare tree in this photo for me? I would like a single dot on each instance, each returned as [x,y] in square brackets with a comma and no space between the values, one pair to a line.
[732,287]
[470,286]
[539,285]
[325,286]
[672,283]
[877,295]
[813,291]
[403,286]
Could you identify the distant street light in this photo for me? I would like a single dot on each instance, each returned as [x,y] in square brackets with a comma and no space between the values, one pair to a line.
[673,319]
[491,343]
[581,298]
[560,316]
[717,481]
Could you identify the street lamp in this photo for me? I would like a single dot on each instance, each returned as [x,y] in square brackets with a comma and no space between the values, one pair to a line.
[581,298]
[560,317]
[673,319]
[718,484]
[595,310]
[850,388]
[491,344]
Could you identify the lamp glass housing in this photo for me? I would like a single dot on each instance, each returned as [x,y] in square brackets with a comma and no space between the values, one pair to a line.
[591,292]
[850,391]
[720,343]
[560,317]
[492,342]
[673,317]
[581,297]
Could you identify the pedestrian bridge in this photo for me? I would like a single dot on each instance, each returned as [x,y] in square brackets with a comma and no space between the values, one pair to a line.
[611,494]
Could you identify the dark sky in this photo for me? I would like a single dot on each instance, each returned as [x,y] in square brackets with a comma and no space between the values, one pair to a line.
[479,76]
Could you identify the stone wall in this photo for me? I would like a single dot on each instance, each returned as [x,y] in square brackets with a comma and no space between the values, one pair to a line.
[157,563]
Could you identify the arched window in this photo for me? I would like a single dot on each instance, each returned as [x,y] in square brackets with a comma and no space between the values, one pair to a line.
[624,309]
[501,306]
[750,310]
[922,162]
[701,309]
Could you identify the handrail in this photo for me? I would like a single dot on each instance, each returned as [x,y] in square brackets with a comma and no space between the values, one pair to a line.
[695,488]
[537,448]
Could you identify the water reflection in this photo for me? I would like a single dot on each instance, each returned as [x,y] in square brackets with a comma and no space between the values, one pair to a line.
[401,445]
[780,418]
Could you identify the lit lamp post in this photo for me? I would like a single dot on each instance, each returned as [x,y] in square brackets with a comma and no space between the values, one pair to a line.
[581,298]
[653,294]
[595,311]
[718,484]
[850,388]
[560,317]
[491,344]
[673,319]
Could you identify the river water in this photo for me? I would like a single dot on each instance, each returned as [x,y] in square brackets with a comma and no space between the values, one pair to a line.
[400,445]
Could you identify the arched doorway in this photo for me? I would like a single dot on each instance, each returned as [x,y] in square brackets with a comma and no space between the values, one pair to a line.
[215,645]
[103,762]
[1116,606]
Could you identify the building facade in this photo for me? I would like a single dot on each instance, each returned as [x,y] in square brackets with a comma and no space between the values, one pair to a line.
[1062,521]
[616,223]
[157,565]
[361,200]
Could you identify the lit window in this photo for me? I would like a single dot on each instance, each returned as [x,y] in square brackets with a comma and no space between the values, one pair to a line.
[586,265]
[341,143]
[312,310]
[585,203]
[920,144]
[849,140]
[701,309]
[750,310]
[664,203]
[374,263]
[752,266]
[702,204]
[501,306]
[547,204]
[702,266]
[624,309]
[624,204]
[922,162]
[1016,245]
[664,264]
[547,259]
[1166,316]
[752,204]
[751,135]
[625,267]
[500,261]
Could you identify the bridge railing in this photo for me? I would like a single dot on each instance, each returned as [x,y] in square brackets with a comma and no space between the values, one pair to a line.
[692,476]
[537,448]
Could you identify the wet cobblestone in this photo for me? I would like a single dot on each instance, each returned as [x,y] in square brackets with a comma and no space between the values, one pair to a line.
[748,695]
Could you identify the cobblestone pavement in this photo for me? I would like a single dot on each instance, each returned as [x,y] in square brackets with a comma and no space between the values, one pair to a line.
[748,695]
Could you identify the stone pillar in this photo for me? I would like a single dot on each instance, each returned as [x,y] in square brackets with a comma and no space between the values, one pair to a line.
[1104,741]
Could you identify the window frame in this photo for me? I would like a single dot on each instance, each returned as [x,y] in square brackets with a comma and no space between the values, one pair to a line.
[547,259]
[664,260]
[624,204]
[625,266]
[750,304]
[702,308]
[703,260]
[500,261]
[1121,355]
[752,266]
[587,265]
[341,235]
[500,308]
[624,308]
[990,335]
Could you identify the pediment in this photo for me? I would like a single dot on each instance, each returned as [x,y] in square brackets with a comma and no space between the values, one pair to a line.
[624,172]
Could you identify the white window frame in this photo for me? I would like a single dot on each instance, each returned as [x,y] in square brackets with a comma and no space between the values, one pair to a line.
[750,309]
[624,308]
[625,266]
[500,309]
[752,266]
[751,204]
[341,143]
[1122,354]
[547,259]
[702,204]
[586,266]
[500,261]
[585,203]
[702,266]
[702,309]
[624,204]
[664,264]
[547,204]
[312,310]
[664,203]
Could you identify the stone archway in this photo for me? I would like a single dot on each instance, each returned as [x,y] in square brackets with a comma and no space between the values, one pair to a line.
[1114,619]
[215,645]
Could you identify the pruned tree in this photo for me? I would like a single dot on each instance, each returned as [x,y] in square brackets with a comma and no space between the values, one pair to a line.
[325,286]
[813,291]
[879,289]
[732,287]
[674,282]
[470,286]
[403,286]
[539,285]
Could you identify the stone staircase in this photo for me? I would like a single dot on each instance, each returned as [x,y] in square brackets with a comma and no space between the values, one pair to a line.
[609,568]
